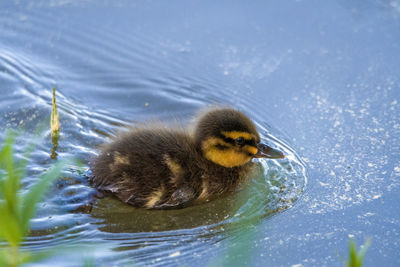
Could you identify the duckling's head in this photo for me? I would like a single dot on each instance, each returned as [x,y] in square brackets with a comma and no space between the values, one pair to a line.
[229,138]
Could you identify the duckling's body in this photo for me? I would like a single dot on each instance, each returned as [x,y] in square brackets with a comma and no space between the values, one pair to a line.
[164,168]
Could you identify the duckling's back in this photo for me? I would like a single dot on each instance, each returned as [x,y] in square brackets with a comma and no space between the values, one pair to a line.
[149,168]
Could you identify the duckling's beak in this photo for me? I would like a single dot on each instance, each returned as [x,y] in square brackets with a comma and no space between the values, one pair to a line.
[265,151]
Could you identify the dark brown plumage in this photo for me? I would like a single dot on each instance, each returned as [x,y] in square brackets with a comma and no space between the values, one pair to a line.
[162,168]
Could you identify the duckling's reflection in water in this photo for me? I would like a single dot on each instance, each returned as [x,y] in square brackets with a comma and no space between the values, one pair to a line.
[117,217]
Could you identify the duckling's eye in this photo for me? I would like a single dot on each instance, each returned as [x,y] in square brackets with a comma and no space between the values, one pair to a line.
[240,141]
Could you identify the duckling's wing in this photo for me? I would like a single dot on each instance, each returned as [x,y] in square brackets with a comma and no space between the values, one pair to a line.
[181,198]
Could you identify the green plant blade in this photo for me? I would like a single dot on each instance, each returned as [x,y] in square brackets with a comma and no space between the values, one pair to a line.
[353,262]
[4,257]
[9,227]
[10,181]
[1,185]
[54,120]
[364,249]
[21,165]
[36,193]
[356,258]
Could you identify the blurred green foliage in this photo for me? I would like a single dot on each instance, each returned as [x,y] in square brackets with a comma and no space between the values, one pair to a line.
[17,209]
[356,257]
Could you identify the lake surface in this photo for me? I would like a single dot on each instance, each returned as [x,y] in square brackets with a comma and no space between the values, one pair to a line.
[321,79]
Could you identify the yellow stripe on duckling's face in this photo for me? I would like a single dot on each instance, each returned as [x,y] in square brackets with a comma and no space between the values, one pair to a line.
[237,134]
[230,156]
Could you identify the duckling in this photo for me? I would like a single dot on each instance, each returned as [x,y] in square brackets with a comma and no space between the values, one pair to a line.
[165,168]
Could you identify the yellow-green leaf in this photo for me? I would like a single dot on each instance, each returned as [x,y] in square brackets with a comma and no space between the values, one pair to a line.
[54,120]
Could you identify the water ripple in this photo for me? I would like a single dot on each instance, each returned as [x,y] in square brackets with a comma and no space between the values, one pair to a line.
[103,85]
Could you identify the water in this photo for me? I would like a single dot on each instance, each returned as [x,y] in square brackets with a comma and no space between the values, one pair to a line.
[320,80]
